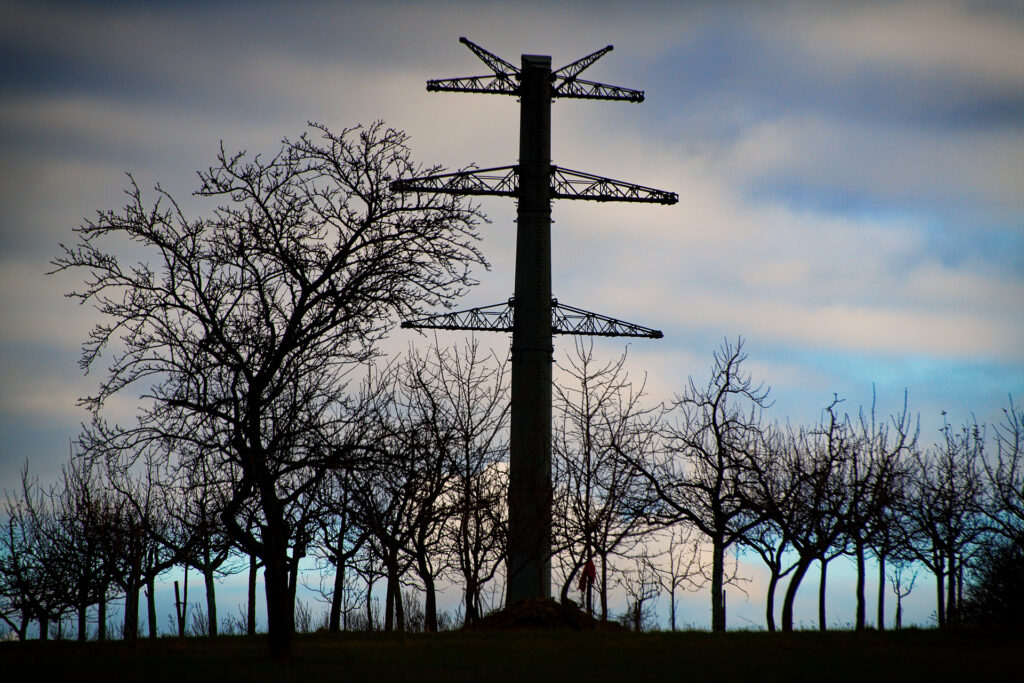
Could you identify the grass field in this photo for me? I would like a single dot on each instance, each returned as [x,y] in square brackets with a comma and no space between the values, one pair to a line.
[531,656]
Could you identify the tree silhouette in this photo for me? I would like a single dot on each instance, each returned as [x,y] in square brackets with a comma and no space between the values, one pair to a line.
[945,509]
[238,329]
[714,433]
[601,427]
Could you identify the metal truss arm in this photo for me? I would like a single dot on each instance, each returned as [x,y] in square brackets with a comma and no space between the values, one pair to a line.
[571,71]
[502,181]
[571,320]
[564,320]
[568,184]
[495,63]
[489,85]
[589,90]
[495,318]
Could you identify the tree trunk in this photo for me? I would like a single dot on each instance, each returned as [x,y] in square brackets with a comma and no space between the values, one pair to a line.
[951,606]
[131,601]
[181,606]
[280,608]
[960,590]
[339,589]
[389,600]
[44,627]
[211,600]
[250,617]
[399,609]
[940,577]
[822,623]
[151,606]
[293,584]
[83,609]
[881,592]
[604,587]
[430,600]
[369,605]
[861,620]
[794,583]
[672,606]
[101,616]
[769,601]
[563,593]
[131,613]
[472,611]
[717,579]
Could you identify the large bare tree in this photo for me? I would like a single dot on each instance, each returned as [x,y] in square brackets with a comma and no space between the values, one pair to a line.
[237,329]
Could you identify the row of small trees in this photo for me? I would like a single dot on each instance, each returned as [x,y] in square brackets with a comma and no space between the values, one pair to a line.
[269,429]
[641,491]
[712,470]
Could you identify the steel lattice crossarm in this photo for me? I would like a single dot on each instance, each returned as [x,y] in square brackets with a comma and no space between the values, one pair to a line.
[500,180]
[571,320]
[494,318]
[589,90]
[503,181]
[505,79]
[564,320]
[569,184]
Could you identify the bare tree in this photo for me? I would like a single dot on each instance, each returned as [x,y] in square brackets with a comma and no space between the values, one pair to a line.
[901,585]
[641,585]
[1005,478]
[711,435]
[29,589]
[339,539]
[462,395]
[945,506]
[874,479]
[239,328]
[80,535]
[600,428]
[812,467]
[774,493]
[680,567]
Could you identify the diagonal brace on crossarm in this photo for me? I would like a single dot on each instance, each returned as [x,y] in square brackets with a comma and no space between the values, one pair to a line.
[571,71]
[504,81]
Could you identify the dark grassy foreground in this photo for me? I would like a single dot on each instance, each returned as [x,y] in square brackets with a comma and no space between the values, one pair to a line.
[563,656]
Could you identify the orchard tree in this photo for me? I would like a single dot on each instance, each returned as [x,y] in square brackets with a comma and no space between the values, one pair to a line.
[945,504]
[874,480]
[238,329]
[1004,476]
[600,428]
[813,470]
[712,435]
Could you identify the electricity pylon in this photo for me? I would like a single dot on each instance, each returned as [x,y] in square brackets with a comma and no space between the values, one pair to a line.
[532,315]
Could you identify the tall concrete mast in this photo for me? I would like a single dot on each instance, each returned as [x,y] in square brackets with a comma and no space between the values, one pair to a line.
[532,315]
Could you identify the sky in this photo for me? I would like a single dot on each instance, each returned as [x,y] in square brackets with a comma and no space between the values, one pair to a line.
[850,179]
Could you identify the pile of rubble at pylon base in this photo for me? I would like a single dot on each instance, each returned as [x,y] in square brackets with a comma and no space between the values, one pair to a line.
[541,614]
